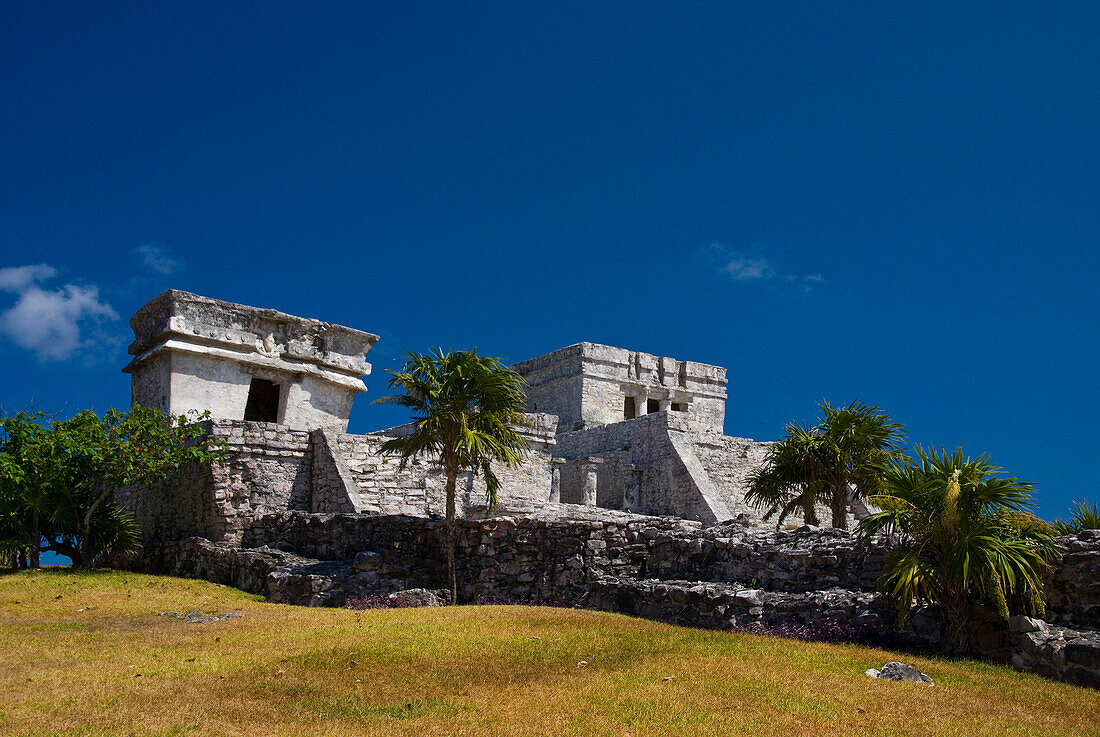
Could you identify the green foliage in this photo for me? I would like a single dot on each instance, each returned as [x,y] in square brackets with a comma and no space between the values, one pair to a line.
[465,408]
[964,534]
[56,478]
[1085,517]
[836,462]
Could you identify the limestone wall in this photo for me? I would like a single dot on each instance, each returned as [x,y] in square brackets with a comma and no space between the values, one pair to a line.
[384,487]
[555,385]
[659,446]
[727,461]
[266,469]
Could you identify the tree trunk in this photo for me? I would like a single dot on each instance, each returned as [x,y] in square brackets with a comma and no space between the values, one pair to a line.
[956,614]
[86,529]
[809,515]
[449,543]
[840,506]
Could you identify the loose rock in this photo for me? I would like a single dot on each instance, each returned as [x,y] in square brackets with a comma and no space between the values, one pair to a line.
[895,671]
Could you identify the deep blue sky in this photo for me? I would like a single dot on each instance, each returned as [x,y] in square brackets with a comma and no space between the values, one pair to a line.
[895,202]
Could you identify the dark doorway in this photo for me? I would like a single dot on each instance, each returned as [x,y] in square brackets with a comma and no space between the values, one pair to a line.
[629,410]
[652,406]
[263,401]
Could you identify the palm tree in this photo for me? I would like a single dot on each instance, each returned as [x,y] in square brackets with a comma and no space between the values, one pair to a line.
[786,482]
[836,462]
[857,441]
[964,535]
[465,407]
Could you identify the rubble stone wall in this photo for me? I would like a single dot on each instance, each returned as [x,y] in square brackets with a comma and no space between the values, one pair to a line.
[1073,585]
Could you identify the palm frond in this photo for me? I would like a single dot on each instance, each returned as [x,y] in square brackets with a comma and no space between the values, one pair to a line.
[465,408]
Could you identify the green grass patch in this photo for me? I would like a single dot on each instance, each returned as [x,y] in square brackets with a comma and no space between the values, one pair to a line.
[87,654]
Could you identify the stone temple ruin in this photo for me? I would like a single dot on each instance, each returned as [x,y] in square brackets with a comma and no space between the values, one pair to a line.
[631,498]
[608,428]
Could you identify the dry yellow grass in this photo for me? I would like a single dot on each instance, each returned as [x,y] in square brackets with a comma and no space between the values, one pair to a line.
[87,654]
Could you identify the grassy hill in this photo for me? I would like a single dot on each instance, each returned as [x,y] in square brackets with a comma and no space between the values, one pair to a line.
[91,654]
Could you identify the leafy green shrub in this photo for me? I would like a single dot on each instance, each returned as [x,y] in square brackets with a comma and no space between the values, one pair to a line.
[56,478]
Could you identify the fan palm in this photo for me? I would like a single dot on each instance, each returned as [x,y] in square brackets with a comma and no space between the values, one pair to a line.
[787,481]
[465,407]
[964,535]
[836,462]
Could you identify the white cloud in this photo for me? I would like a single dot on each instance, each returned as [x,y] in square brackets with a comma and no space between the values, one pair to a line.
[50,322]
[746,269]
[18,278]
[156,256]
[741,268]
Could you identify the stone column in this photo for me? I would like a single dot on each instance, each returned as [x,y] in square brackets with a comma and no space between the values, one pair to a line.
[641,404]
[555,479]
[588,468]
[666,405]
[632,494]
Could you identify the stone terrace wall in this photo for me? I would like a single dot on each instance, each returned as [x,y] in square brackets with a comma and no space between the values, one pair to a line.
[805,559]
[525,556]
[420,488]
[539,547]
[270,468]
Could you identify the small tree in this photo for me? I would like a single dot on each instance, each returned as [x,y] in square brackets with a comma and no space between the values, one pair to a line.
[964,535]
[24,502]
[836,462]
[56,479]
[465,407]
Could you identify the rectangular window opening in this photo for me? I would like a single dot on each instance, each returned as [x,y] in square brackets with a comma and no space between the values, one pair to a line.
[263,401]
[678,407]
[630,411]
[652,405]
